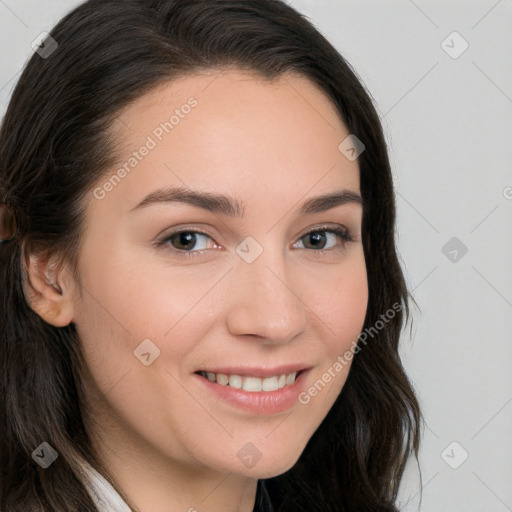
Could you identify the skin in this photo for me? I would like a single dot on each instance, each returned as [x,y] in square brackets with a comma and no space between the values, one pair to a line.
[170,443]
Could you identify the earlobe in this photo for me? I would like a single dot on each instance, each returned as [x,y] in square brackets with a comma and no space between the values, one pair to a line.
[45,291]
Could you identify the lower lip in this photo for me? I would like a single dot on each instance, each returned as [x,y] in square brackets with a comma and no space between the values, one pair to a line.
[258,402]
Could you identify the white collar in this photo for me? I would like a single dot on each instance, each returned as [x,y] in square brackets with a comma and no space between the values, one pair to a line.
[103,494]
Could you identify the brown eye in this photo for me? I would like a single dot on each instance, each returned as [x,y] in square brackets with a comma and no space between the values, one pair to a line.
[186,241]
[318,239]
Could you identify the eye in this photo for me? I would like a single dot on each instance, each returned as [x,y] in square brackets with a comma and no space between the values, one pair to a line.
[182,242]
[192,242]
[318,239]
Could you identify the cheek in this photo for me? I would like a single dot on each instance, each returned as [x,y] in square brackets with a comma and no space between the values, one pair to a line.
[350,302]
[341,312]
[139,297]
[341,303]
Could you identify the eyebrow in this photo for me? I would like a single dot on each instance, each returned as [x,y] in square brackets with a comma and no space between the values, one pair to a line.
[228,206]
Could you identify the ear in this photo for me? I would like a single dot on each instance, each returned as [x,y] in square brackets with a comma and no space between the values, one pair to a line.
[48,289]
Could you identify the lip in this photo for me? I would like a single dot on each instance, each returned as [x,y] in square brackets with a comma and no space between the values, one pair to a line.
[257,402]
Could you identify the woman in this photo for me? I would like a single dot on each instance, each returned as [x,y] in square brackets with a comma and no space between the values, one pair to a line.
[259,371]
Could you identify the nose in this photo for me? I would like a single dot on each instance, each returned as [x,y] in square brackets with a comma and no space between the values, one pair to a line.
[265,301]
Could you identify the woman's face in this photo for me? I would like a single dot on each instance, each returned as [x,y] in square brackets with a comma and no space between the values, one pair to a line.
[258,285]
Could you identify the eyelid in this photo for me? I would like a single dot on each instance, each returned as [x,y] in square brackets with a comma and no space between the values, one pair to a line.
[324,227]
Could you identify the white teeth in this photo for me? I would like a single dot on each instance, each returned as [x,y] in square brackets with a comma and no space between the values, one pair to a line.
[290,378]
[252,384]
[235,381]
[269,384]
[222,379]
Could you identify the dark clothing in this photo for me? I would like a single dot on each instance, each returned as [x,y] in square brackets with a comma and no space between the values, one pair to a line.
[262,503]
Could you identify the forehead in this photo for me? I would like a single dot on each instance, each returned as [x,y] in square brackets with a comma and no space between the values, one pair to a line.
[233,131]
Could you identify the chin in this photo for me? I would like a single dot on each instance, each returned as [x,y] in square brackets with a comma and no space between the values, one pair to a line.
[268,465]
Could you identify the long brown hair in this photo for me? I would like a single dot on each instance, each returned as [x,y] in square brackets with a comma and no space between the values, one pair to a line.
[54,146]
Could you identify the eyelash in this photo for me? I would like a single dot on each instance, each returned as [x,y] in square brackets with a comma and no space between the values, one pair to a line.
[343,233]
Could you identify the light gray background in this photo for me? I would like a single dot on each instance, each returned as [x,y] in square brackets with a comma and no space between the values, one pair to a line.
[448,123]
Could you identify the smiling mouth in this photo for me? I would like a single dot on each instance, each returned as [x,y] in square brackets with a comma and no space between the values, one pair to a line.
[251,383]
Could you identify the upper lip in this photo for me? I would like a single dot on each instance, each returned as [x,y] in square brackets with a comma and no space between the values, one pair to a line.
[260,371]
